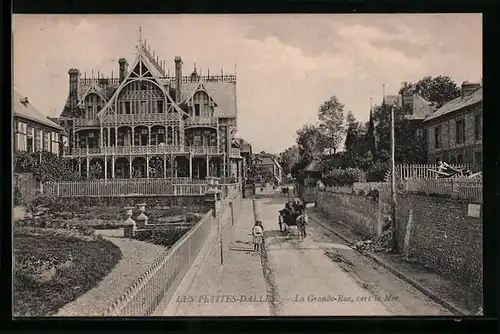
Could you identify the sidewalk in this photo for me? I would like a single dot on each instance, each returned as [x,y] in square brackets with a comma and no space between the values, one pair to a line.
[449,293]
[242,278]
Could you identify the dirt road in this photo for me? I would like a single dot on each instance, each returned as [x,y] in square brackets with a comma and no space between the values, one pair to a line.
[323,276]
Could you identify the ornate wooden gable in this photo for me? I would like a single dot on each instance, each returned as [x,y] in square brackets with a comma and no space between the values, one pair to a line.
[93,89]
[142,72]
[200,88]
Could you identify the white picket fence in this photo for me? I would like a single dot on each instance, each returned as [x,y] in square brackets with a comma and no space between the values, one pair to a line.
[423,171]
[462,189]
[130,187]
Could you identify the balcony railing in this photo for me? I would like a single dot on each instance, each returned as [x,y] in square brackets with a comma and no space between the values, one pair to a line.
[151,149]
[86,122]
[234,153]
[141,118]
[207,78]
[201,121]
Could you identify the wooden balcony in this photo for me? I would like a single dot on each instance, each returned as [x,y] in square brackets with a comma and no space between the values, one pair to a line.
[143,150]
[200,121]
[126,119]
[86,122]
[235,153]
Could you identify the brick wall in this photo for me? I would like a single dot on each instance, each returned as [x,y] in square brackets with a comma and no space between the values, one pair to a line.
[442,235]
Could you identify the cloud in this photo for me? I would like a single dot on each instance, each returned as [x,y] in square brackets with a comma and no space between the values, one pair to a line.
[287,64]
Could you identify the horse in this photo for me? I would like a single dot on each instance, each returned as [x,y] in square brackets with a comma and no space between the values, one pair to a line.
[301,223]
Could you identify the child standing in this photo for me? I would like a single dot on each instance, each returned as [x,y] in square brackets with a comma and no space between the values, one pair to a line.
[257,233]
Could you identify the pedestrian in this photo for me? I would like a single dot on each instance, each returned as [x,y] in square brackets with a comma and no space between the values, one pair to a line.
[258,234]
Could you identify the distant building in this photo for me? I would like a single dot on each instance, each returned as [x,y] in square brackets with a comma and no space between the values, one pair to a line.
[269,163]
[245,152]
[415,110]
[33,132]
[454,131]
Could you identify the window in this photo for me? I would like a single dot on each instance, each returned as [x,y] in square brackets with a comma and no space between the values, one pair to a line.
[419,133]
[459,131]
[159,106]
[437,136]
[197,110]
[143,107]
[127,107]
[46,141]
[38,140]
[478,126]
[460,158]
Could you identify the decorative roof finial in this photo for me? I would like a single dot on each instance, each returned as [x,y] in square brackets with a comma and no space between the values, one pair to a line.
[140,34]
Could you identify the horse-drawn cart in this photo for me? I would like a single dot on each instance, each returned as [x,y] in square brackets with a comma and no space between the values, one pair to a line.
[293,221]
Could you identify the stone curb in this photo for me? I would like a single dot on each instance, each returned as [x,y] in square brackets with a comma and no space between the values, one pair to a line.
[398,273]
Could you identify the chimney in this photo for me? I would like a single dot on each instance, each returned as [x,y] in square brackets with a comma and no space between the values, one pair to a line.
[122,69]
[469,87]
[74,77]
[178,78]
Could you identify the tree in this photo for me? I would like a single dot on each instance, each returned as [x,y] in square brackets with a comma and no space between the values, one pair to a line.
[331,118]
[45,166]
[310,141]
[288,158]
[410,147]
[439,90]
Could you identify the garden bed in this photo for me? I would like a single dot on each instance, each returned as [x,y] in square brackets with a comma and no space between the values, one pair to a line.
[53,267]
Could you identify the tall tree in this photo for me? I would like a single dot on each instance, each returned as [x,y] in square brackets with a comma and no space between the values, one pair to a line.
[331,118]
[310,141]
[439,90]
[288,158]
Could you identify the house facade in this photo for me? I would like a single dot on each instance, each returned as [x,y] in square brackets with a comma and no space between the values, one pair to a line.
[148,124]
[454,131]
[269,164]
[33,132]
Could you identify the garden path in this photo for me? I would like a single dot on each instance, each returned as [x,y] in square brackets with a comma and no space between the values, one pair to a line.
[137,257]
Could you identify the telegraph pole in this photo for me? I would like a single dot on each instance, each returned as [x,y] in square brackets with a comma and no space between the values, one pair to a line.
[393,186]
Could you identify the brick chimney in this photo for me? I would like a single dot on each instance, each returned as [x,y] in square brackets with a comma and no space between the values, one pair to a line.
[178,78]
[469,87]
[123,68]
[74,77]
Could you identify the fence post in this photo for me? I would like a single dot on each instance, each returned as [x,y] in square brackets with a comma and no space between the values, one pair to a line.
[232,212]
[58,190]
[41,187]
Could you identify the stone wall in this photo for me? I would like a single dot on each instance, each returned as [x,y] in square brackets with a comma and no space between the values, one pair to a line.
[358,212]
[442,235]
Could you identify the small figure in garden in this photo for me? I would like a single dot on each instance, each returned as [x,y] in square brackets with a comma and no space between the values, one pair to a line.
[258,234]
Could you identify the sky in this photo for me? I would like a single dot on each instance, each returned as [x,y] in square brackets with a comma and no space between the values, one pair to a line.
[286,65]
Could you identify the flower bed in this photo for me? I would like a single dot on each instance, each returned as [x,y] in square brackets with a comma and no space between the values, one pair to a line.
[53,267]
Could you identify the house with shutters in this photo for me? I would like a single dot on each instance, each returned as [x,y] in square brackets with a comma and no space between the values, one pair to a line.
[148,124]
[34,132]
[454,131]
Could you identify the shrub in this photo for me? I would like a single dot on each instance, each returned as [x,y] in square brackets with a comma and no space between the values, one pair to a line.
[377,172]
[162,236]
[344,177]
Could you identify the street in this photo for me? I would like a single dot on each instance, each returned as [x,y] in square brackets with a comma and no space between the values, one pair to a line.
[323,276]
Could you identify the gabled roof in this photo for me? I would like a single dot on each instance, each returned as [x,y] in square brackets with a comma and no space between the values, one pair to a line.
[28,111]
[420,106]
[457,104]
[244,145]
[314,166]
[94,88]
[142,60]
[223,94]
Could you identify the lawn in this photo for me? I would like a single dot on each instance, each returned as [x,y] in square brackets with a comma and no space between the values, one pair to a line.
[53,267]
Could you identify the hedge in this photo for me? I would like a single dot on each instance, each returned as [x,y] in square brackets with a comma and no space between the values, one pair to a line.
[344,177]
